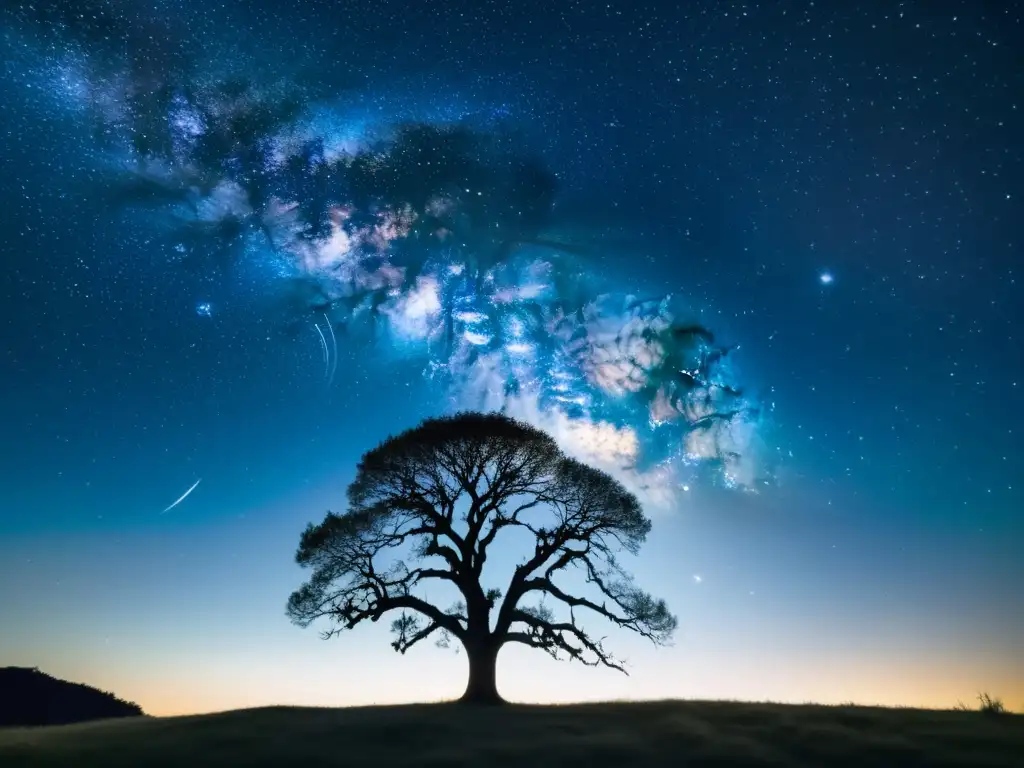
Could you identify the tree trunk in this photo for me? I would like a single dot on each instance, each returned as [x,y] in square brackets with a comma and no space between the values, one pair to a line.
[482,687]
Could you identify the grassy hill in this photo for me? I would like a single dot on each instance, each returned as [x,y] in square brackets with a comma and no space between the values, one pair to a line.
[622,735]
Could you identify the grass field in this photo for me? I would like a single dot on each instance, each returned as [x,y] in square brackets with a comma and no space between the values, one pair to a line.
[624,735]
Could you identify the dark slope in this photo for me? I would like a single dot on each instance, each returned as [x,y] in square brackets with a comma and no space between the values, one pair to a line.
[30,697]
[617,735]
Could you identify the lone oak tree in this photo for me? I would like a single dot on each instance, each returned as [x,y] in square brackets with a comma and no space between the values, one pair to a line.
[442,493]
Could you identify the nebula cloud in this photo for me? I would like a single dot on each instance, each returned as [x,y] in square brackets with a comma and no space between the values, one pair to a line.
[443,238]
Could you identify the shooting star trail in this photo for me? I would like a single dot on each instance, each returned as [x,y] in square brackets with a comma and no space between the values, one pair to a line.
[183,496]
[323,346]
[334,344]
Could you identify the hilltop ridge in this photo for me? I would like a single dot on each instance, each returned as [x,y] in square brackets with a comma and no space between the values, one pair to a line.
[30,697]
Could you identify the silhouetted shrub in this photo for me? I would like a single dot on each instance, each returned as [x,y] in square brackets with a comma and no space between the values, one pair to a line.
[30,697]
[990,706]
[987,705]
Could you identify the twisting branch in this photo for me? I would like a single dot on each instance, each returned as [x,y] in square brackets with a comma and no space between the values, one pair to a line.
[408,631]
[558,637]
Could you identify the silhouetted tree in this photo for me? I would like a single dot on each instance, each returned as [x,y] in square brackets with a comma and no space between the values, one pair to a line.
[440,494]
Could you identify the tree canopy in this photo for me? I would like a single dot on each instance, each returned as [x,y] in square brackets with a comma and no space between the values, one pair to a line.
[427,505]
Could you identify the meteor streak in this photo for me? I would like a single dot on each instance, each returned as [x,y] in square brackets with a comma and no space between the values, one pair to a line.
[323,346]
[183,496]
[334,345]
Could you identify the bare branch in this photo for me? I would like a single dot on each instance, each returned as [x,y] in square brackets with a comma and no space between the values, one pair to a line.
[637,611]
[557,638]
[409,632]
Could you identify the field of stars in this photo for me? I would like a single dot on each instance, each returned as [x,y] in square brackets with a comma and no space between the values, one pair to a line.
[758,261]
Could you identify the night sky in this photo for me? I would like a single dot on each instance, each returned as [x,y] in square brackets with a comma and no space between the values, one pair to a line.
[244,242]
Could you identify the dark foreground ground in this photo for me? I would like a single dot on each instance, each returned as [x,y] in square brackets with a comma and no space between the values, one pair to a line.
[623,735]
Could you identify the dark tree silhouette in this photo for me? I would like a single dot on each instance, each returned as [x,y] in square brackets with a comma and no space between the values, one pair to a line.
[439,495]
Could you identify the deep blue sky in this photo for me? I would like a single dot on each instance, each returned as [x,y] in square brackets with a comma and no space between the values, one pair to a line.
[730,154]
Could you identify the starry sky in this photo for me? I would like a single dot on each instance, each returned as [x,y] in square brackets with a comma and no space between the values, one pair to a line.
[244,242]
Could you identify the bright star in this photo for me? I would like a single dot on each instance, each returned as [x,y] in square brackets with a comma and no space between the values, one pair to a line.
[826,278]
[203,309]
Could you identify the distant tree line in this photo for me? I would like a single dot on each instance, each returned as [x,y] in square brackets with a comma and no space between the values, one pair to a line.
[31,697]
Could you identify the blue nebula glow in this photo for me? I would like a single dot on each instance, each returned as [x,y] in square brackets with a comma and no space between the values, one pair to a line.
[444,267]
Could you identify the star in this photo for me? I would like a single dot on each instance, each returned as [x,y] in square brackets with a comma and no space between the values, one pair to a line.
[826,278]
